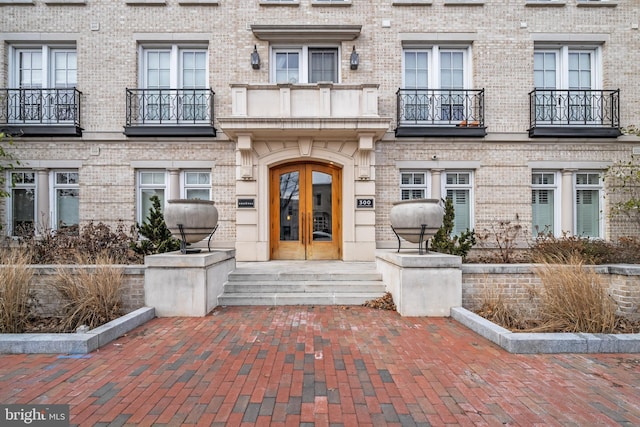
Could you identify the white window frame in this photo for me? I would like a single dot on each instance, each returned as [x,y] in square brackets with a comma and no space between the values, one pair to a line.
[304,60]
[21,186]
[424,101]
[469,187]
[53,193]
[176,68]
[600,188]
[562,54]
[433,58]
[141,215]
[185,186]
[557,200]
[425,187]
[41,106]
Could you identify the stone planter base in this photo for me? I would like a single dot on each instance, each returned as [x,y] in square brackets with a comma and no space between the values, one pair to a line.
[422,285]
[186,285]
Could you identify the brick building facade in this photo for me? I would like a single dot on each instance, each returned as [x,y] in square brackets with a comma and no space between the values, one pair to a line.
[510,108]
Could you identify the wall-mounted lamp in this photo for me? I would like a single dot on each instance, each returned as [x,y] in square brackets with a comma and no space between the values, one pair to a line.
[255,58]
[355,59]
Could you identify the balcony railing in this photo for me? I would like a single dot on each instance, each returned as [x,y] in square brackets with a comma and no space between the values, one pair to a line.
[440,112]
[169,112]
[38,111]
[574,113]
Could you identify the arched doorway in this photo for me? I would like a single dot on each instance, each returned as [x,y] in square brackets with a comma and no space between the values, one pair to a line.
[305,211]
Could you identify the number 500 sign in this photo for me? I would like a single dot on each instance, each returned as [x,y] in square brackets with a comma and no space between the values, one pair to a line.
[364,203]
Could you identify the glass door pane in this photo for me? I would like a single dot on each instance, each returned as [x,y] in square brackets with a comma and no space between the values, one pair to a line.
[322,206]
[290,206]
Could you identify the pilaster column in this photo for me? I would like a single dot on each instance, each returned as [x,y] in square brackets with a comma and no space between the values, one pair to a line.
[174,184]
[566,205]
[436,184]
[42,221]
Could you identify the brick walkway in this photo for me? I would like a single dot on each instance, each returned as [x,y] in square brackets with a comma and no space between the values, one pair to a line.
[323,366]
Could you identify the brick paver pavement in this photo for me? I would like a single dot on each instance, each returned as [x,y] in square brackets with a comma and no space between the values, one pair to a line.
[321,366]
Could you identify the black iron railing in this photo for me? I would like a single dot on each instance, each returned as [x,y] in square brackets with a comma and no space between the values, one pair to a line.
[169,107]
[574,108]
[440,107]
[37,106]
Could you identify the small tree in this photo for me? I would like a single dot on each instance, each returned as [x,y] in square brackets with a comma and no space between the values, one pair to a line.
[446,243]
[158,238]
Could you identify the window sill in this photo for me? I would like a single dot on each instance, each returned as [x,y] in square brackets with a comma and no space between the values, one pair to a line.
[552,3]
[64,2]
[597,3]
[198,2]
[146,2]
[412,3]
[464,2]
[294,3]
[331,3]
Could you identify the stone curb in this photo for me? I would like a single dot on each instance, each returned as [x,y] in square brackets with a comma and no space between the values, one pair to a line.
[75,343]
[540,343]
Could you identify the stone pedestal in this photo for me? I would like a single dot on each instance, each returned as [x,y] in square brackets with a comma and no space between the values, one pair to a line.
[186,285]
[422,285]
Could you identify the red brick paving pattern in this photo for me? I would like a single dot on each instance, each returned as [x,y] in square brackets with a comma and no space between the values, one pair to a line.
[323,366]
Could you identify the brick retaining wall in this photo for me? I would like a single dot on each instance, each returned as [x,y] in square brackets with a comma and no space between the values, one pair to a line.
[515,283]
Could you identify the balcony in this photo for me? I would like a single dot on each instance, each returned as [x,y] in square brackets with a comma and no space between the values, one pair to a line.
[291,111]
[40,112]
[574,113]
[440,113]
[169,112]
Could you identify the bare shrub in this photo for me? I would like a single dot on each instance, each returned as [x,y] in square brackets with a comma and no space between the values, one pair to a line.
[494,308]
[93,240]
[548,248]
[16,302]
[502,242]
[91,296]
[573,298]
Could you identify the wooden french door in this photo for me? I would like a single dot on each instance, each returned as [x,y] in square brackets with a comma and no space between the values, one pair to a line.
[305,211]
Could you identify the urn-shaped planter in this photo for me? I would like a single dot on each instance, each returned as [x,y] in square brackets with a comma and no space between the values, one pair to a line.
[417,220]
[191,220]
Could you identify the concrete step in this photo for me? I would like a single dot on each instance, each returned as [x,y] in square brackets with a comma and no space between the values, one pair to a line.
[308,286]
[246,276]
[302,283]
[310,298]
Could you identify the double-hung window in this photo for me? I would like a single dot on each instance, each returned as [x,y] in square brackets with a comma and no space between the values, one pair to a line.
[44,78]
[196,185]
[150,183]
[63,190]
[588,204]
[305,64]
[67,200]
[544,203]
[414,185]
[23,203]
[567,83]
[457,187]
[434,80]
[174,79]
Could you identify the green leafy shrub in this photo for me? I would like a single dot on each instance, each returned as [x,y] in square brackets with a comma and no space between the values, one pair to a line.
[157,237]
[446,243]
